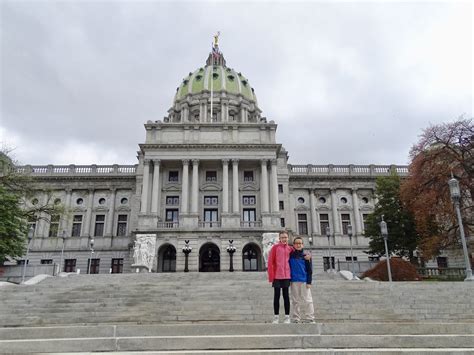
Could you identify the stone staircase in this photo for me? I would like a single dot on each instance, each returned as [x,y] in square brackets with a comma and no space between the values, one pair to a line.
[222,312]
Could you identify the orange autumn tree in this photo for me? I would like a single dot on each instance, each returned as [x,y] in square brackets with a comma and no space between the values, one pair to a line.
[442,149]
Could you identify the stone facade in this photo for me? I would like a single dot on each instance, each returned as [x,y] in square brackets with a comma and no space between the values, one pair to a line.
[211,171]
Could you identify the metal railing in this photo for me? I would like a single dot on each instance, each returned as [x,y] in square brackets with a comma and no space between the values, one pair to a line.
[359,266]
[448,273]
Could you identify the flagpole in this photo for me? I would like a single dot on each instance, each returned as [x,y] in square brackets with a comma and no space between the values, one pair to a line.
[212,81]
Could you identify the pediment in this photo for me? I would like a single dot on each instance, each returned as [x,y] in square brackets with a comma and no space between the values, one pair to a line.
[211,187]
[249,187]
[171,188]
[301,208]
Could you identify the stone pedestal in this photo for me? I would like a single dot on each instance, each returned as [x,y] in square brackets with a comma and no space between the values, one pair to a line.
[140,269]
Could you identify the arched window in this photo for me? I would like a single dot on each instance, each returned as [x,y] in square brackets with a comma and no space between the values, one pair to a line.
[251,258]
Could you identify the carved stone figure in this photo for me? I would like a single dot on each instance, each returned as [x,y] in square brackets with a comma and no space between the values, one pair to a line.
[268,239]
[144,251]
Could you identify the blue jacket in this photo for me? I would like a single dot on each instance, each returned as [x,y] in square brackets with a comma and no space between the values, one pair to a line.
[301,269]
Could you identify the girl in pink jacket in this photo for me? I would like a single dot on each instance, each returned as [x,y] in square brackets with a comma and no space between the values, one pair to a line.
[279,275]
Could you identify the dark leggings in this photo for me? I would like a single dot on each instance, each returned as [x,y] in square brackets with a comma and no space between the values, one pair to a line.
[276,300]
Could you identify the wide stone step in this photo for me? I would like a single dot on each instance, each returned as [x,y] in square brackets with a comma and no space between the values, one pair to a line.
[208,337]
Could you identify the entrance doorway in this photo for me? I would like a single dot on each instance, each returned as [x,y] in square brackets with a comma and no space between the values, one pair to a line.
[209,258]
[167,258]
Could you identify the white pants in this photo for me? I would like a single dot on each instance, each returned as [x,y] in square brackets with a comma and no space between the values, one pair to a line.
[301,302]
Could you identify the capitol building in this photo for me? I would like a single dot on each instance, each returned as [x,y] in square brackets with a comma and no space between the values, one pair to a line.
[210,178]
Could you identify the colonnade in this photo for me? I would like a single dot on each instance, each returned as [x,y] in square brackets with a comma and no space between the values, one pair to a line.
[189,200]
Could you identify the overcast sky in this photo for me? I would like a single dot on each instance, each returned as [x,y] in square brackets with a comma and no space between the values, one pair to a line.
[346,82]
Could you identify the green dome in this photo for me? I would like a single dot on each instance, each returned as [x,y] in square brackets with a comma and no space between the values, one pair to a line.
[223,79]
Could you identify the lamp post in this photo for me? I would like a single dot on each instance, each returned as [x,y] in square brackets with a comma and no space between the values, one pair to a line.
[456,197]
[328,235]
[31,233]
[91,243]
[349,233]
[384,231]
[231,250]
[186,250]
[63,237]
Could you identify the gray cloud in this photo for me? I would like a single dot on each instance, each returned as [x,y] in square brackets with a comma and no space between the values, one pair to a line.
[346,82]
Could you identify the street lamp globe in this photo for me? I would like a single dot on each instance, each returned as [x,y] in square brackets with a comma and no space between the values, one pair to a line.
[454,189]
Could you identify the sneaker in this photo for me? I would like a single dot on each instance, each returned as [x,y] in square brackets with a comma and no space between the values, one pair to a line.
[309,321]
[287,320]
[276,319]
[296,321]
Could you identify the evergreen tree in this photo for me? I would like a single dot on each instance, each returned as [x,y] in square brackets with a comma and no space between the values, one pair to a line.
[402,236]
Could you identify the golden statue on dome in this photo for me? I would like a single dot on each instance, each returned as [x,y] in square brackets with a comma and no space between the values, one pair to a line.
[216,39]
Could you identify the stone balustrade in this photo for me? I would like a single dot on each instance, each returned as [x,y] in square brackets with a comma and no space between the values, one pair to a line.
[348,170]
[81,170]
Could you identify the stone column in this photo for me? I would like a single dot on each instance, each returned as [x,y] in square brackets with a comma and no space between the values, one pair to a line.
[264,186]
[235,186]
[357,217]
[155,187]
[185,187]
[335,215]
[195,187]
[225,186]
[314,221]
[274,187]
[111,214]
[87,222]
[146,178]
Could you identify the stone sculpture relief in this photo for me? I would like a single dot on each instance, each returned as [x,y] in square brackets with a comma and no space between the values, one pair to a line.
[268,239]
[144,251]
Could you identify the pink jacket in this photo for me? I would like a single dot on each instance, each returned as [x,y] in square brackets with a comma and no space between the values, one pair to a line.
[278,262]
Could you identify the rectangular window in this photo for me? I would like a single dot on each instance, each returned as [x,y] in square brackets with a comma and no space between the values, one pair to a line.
[281,205]
[173,176]
[282,222]
[70,265]
[99,225]
[171,215]
[46,261]
[122,225]
[374,259]
[54,226]
[323,222]
[302,224]
[345,220]
[211,201]
[348,258]
[249,215]
[210,215]
[442,261]
[117,266]
[76,226]
[326,263]
[364,220]
[94,265]
[248,200]
[172,200]
[280,188]
[32,225]
[248,175]
[211,176]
